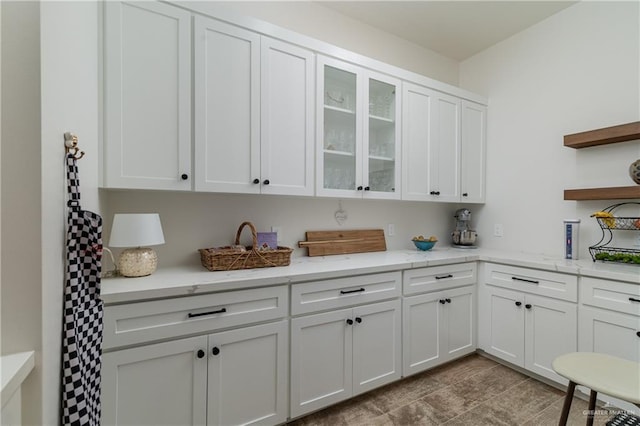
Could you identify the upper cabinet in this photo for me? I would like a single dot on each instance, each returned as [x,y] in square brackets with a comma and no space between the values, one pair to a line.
[147,128]
[443,147]
[253,112]
[358,132]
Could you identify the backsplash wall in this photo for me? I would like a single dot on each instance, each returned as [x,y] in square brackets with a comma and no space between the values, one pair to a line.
[197,220]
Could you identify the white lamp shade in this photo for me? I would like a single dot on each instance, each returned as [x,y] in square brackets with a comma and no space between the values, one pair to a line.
[136,230]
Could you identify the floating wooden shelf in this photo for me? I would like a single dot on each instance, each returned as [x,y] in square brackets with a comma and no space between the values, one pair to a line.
[614,193]
[607,135]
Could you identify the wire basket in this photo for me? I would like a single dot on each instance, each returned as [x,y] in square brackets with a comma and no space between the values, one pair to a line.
[229,258]
[602,250]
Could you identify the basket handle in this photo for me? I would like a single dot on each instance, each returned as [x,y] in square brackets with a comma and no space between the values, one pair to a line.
[254,234]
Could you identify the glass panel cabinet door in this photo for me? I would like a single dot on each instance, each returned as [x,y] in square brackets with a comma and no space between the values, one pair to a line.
[382,138]
[340,129]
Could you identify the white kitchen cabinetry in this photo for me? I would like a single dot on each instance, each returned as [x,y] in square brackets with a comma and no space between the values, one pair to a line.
[253,113]
[520,324]
[439,318]
[232,376]
[344,352]
[358,132]
[147,92]
[443,147]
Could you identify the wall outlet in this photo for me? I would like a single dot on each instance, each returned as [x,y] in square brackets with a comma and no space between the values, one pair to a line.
[391,230]
[280,232]
[497,230]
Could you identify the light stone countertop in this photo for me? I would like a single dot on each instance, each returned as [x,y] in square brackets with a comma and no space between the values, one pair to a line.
[14,369]
[185,281]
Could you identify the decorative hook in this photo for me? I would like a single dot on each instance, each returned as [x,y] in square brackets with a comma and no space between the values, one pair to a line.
[71,145]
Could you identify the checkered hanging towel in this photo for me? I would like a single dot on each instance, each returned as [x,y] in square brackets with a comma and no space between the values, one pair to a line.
[82,327]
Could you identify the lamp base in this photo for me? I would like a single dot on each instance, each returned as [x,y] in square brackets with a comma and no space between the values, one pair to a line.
[137,262]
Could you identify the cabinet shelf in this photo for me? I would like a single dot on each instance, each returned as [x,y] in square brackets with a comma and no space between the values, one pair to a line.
[604,136]
[338,109]
[381,119]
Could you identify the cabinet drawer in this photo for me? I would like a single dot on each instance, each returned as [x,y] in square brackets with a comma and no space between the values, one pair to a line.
[341,292]
[544,283]
[614,295]
[438,278]
[135,323]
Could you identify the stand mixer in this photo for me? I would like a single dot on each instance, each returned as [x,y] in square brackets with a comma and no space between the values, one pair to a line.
[463,236]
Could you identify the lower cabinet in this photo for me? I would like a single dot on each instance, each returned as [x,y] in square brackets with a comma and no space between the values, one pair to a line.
[231,377]
[528,330]
[437,327]
[342,353]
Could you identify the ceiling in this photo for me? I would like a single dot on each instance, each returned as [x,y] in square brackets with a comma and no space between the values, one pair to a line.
[455,29]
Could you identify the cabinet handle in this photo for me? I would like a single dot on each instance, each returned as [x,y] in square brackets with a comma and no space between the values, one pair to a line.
[184,176]
[448,300]
[350,321]
[219,311]
[360,290]
[358,320]
[215,350]
[435,193]
[256,181]
[633,299]
[525,280]
[638,333]
[359,188]
[266,182]
[528,306]
[442,277]
[200,353]
[518,303]
[366,188]
[442,301]
[465,194]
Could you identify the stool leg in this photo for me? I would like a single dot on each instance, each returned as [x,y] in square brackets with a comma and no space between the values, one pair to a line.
[592,407]
[567,404]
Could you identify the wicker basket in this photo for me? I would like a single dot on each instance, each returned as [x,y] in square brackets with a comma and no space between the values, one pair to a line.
[228,258]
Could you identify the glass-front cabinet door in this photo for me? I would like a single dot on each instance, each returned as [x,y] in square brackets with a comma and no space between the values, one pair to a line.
[358,134]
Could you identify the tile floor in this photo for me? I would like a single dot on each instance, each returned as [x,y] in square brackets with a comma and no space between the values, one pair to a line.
[470,391]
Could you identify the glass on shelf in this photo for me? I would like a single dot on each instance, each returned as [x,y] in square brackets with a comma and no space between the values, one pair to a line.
[381,99]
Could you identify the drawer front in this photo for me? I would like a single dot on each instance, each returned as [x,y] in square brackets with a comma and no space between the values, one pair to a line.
[544,283]
[614,295]
[342,292]
[136,323]
[435,278]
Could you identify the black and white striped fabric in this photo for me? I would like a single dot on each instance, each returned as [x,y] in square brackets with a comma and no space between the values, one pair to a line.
[82,328]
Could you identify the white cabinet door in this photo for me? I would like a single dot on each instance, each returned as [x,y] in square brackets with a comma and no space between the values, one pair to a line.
[248,375]
[609,332]
[459,322]
[376,345]
[421,332]
[161,384]
[227,107]
[358,132]
[551,329]
[321,356]
[287,119]
[473,152]
[504,320]
[147,139]
[444,153]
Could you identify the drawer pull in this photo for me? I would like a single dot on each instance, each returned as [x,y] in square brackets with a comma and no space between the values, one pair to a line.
[442,277]
[633,299]
[360,290]
[219,311]
[525,280]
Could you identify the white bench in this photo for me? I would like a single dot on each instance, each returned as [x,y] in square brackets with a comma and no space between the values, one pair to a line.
[603,373]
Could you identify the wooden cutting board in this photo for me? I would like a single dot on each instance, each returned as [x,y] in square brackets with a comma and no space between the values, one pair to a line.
[323,243]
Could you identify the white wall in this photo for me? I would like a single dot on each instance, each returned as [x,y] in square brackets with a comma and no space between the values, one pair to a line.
[578,70]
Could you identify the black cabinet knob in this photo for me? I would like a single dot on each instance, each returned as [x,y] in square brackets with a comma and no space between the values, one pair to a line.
[266,182]
[184,176]
[358,320]
[200,353]
[349,321]
[366,188]
[518,303]
[437,192]
[465,194]
[359,188]
[528,306]
[215,350]
[448,300]
[442,301]
[638,333]
[256,181]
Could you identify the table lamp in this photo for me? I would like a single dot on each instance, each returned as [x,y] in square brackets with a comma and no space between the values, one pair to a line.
[136,231]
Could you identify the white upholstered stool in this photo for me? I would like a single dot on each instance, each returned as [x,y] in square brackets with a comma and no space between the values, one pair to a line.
[607,374]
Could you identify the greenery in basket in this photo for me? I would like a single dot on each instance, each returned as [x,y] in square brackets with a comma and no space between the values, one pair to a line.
[619,257]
